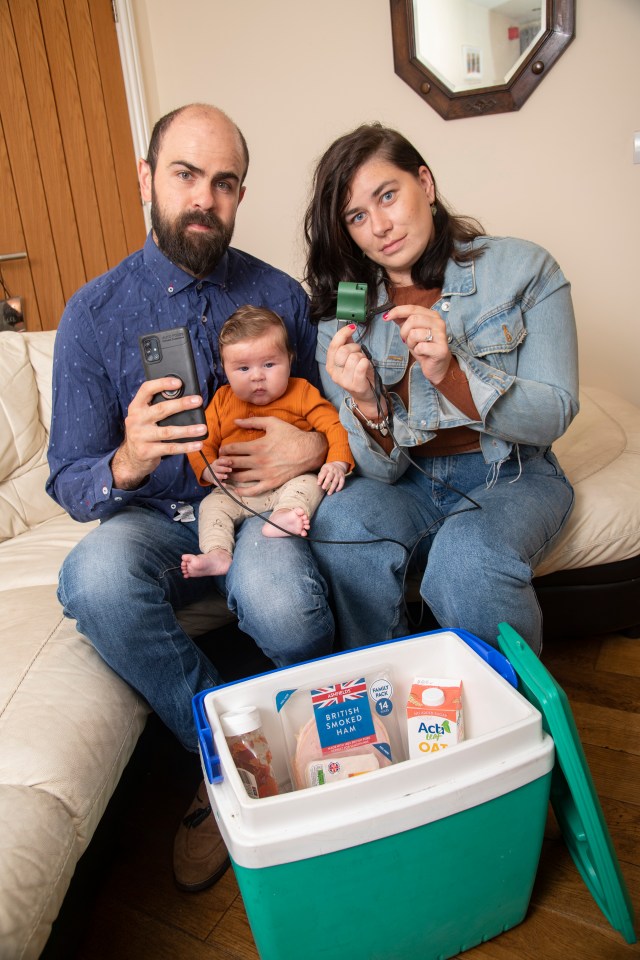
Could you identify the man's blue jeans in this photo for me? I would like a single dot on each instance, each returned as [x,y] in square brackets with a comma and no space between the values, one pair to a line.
[479,567]
[122,583]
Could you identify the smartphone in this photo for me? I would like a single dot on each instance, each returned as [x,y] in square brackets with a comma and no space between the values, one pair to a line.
[168,353]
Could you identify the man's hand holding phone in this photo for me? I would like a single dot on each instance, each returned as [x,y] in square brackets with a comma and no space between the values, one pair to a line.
[147,439]
[165,417]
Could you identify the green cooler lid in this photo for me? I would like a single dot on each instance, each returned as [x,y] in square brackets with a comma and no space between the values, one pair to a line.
[573,795]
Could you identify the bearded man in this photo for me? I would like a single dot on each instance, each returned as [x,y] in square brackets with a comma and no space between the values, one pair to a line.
[111,460]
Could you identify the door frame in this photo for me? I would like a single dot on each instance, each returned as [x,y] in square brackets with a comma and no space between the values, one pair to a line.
[134,87]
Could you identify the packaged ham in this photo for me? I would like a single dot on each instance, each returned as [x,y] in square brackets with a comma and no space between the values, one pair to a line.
[339,729]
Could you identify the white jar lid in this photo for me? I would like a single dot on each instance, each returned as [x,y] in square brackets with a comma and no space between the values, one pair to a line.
[433,697]
[236,722]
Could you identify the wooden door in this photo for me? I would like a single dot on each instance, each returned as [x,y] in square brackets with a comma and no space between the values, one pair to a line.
[69,193]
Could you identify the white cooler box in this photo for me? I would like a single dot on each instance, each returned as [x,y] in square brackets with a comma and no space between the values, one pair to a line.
[423,858]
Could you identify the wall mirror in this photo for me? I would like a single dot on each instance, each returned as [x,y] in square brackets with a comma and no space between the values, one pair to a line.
[466,58]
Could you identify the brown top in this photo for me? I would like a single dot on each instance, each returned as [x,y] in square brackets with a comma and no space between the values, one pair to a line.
[455,387]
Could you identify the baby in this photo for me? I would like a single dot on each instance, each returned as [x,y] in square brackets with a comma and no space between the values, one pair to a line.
[256,356]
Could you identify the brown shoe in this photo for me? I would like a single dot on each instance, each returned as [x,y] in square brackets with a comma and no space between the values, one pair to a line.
[199,853]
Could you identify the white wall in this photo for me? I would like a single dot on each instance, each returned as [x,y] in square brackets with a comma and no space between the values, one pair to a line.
[294,74]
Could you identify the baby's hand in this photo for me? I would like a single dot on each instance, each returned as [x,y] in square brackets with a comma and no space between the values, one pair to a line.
[221,468]
[331,476]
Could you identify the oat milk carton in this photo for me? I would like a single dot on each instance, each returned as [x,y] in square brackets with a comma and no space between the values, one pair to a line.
[434,716]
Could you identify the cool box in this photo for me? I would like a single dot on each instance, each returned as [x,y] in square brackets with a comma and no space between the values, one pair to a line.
[425,858]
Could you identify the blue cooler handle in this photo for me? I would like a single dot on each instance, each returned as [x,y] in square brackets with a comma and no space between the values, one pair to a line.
[491,656]
[210,759]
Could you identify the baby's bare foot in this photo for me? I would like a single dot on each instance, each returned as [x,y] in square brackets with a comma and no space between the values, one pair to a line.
[293,521]
[212,564]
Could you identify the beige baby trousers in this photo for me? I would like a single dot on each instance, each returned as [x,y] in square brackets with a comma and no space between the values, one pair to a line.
[220,515]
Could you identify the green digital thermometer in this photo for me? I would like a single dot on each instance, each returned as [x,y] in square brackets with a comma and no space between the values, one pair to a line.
[351,306]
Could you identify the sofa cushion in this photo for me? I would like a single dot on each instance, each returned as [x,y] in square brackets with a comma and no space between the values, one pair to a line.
[600,453]
[35,556]
[38,854]
[40,348]
[68,724]
[23,436]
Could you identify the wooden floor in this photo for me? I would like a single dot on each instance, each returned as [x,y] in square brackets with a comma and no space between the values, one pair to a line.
[137,914]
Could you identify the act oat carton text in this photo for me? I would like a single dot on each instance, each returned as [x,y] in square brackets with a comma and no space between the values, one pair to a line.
[434,716]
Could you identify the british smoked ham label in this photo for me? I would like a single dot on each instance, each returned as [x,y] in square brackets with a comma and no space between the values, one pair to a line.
[343,716]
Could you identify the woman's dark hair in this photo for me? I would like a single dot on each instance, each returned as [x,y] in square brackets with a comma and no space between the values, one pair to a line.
[332,254]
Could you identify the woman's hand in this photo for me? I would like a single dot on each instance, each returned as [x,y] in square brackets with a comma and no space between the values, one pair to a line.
[349,368]
[425,334]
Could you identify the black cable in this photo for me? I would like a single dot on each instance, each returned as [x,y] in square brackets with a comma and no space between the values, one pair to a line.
[409,550]
[380,392]
[266,519]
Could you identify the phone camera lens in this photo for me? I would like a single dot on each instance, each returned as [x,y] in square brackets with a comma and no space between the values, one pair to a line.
[152,350]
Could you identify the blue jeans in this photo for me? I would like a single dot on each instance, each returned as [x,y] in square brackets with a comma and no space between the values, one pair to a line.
[479,567]
[122,583]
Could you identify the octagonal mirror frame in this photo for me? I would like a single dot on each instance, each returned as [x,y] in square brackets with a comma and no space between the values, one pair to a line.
[480,101]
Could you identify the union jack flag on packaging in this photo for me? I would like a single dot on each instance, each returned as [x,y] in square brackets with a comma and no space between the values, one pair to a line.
[339,693]
[343,715]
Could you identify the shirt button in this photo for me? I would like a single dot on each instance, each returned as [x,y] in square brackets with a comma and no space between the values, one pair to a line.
[445,306]
[117,498]
[173,506]
[105,490]
[170,289]
[198,286]
[203,318]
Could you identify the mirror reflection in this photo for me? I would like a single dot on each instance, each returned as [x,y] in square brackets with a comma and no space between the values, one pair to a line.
[476,43]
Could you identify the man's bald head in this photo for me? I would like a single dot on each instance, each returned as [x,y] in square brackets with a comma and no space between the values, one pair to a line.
[195,110]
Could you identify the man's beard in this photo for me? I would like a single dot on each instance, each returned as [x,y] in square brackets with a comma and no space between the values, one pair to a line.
[197,253]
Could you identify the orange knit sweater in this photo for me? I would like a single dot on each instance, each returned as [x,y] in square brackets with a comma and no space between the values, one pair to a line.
[301,404]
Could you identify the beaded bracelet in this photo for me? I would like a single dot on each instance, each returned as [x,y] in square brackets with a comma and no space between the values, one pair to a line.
[382,426]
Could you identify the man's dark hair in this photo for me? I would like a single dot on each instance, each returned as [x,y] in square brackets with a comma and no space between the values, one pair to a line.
[163,124]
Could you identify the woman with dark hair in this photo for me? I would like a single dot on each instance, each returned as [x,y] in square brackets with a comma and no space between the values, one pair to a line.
[452,391]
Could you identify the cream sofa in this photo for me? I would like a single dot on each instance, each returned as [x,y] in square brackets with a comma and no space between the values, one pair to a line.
[68,724]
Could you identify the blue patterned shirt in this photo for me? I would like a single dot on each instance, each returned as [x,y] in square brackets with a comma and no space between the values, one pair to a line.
[97,367]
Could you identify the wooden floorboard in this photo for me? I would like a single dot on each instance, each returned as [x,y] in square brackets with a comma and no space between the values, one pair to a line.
[136,913]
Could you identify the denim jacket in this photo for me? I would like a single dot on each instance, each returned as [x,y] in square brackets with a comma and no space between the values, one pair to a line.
[510,321]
